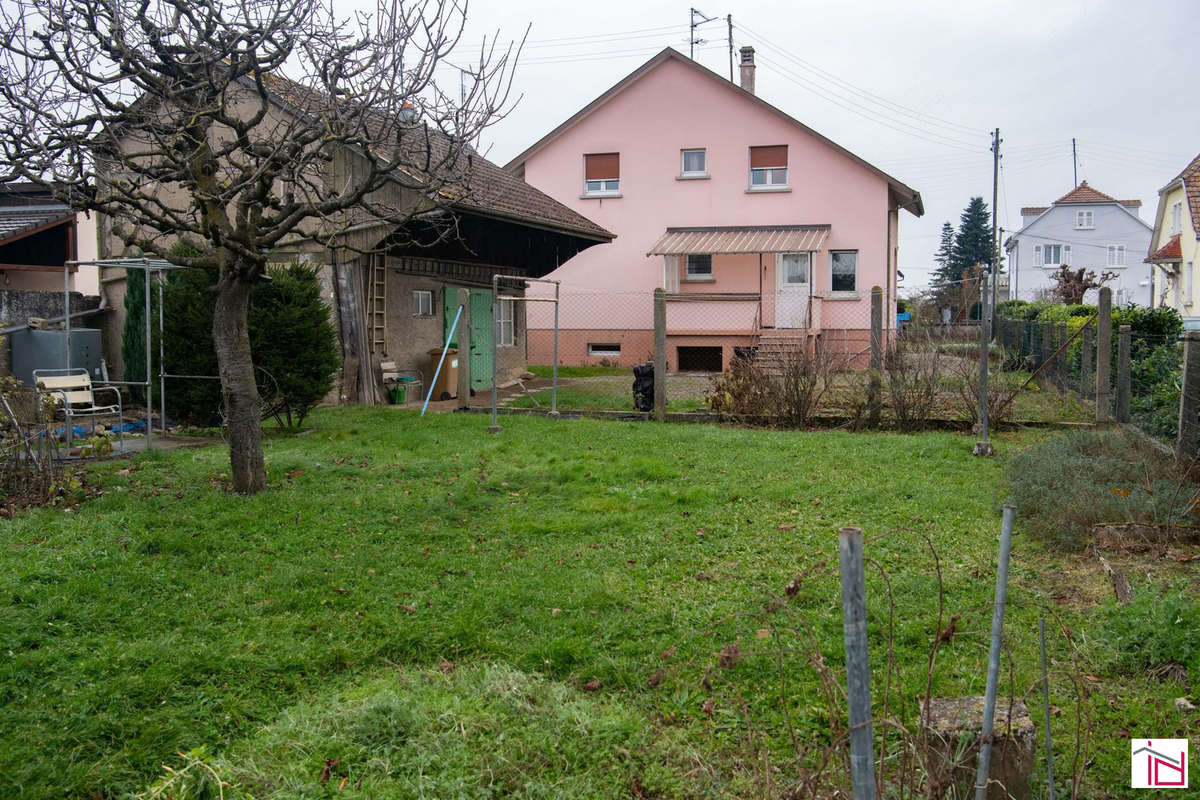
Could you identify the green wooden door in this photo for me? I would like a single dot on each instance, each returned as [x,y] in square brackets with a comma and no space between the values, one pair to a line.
[481,331]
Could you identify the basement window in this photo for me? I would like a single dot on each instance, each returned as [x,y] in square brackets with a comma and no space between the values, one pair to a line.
[699,359]
[604,350]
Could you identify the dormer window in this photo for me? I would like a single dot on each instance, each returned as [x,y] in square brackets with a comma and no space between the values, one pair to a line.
[769,167]
[602,175]
[1084,220]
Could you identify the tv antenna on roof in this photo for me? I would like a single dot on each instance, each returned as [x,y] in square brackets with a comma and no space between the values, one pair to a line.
[692,40]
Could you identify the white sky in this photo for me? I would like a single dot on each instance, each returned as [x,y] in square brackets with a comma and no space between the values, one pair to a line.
[931,79]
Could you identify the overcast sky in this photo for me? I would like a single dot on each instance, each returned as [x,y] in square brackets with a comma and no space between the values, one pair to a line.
[915,88]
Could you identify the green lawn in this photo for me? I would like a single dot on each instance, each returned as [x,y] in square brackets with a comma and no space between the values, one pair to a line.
[447,613]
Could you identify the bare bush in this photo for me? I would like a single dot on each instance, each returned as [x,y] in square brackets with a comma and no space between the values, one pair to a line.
[806,374]
[29,474]
[745,389]
[1002,388]
[912,380]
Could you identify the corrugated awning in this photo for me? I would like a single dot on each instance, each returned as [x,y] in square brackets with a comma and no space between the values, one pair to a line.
[728,240]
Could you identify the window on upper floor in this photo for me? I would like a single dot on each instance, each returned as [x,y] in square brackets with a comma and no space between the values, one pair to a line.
[1051,255]
[1176,218]
[843,271]
[1116,255]
[769,167]
[601,174]
[698,268]
[1084,220]
[693,163]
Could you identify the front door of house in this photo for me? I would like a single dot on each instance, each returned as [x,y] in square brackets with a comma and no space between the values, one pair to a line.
[480,315]
[792,295]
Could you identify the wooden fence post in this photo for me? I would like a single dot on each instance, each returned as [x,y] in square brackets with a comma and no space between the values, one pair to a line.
[1123,379]
[660,354]
[1064,361]
[1087,360]
[875,404]
[1103,355]
[1189,401]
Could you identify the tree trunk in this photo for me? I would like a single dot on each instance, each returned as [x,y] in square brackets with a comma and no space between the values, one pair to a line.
[232,339]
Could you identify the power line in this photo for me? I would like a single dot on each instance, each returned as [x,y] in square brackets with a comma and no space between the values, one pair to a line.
[564,41]
[603,56]
[868,113]
[926,118]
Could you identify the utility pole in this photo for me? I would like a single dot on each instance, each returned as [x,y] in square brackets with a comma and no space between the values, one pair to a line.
[995,195]
[729,21]
[1074,161]
[692,40]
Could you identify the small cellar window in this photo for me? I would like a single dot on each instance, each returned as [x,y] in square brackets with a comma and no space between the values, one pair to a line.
[699,359]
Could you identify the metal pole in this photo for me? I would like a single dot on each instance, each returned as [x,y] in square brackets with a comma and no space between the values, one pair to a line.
[875,387]
[149,381]
[162,378]
[660,354]
[993,673]
[554,367]
[442,360]
[495,426]
[67,322]
[858,668]
[994,258]
[1046,711]
[983,447]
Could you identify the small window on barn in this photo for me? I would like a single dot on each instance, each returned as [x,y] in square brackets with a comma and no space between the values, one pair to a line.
[508,334]
[699,359]
[422,303]
[604,350]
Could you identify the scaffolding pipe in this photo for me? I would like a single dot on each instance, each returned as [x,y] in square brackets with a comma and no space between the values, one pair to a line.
[162,378]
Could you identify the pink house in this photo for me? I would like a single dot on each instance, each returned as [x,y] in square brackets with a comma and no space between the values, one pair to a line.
[758,227]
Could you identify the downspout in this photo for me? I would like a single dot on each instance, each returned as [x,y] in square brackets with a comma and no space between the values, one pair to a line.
[889,260]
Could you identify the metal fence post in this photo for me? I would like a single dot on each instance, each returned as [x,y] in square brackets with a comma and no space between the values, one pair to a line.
[1046,711]
[1123,378]
[1103,355]
[875,392]
[464,350]
[993,673]
[983,447]
[495,426]
[1189,401]
[1087,360]
[1064,362]
[660,354]
[858,668]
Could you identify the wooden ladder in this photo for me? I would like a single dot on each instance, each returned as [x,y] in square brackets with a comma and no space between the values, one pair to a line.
[377,302]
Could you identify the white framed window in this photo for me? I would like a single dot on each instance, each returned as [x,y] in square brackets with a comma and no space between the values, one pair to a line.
[769,167]
[604,350]
[507,323]
[698,268]
[1053,255]
[843,271]
[601,174]
[795,268]
[1176,218]
[1038,258]
[1116,255]
[1084,220]
[422,303]
[693,163]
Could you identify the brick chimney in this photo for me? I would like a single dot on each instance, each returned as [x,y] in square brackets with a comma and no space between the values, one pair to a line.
[748,69]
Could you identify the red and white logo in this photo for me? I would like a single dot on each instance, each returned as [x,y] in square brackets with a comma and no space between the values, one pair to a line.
[1159,764]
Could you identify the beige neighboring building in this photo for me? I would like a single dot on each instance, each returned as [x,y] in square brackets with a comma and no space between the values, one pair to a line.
[37,235]
[1173,246]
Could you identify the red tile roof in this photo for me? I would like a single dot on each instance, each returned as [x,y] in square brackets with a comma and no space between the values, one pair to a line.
[1169,253]
[1191,181]
[1085,194]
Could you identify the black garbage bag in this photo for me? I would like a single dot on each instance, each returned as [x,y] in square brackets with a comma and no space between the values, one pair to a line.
[643,387]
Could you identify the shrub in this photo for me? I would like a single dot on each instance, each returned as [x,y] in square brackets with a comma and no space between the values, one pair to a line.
[1071,482]
[293,339]
[1155,630]
[744,389]
[805,377]
[911,381]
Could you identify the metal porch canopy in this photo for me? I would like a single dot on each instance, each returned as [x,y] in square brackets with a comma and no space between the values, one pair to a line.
[735,239]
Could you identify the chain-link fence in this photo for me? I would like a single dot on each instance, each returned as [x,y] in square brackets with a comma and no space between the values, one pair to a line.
[603,334]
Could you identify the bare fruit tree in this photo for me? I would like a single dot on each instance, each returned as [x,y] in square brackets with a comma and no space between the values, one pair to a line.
[244,128]
[1070,285]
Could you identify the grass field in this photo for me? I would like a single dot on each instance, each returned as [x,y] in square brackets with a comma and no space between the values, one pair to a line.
[416,608]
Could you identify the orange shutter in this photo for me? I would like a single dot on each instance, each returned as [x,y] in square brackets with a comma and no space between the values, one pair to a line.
[770,156]
[602,166]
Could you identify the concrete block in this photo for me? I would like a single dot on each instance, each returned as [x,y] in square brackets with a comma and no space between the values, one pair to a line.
[953,747]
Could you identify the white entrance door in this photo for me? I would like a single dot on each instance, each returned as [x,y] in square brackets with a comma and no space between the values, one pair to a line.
[792,273]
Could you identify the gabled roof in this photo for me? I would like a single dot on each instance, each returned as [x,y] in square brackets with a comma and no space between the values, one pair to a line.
[17,222]
[1169,253]
[1191,182]
[906,196]
[1084,194]
[1081,194]
[483,187]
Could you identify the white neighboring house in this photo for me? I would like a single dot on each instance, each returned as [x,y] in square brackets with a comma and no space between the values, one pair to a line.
[1083,228]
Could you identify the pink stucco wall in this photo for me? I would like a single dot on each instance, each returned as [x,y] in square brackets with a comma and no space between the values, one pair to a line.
[670,108]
